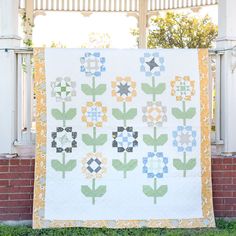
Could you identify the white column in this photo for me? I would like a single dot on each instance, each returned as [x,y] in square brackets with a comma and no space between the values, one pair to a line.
[227,39]
[8,39]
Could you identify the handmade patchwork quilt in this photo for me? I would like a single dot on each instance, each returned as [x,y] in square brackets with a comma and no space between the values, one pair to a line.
[123,138]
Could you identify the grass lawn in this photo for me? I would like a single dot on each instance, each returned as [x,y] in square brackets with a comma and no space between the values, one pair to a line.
[223,228]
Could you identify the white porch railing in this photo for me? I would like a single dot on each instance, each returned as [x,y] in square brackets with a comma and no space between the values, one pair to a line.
[25,99]
[25,102]
[113,5]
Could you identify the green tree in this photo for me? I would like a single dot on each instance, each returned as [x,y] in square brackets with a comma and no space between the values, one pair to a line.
[176,30]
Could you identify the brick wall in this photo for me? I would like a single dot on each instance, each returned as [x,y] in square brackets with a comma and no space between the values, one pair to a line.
[224,186]
[16,188]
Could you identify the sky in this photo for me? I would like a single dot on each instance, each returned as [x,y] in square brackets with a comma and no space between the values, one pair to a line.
[72,29]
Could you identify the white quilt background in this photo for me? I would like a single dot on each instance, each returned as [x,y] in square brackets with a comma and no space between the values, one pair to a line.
[124,198]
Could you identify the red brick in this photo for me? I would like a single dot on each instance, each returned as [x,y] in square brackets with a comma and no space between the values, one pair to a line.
[26,216]
[4,162]
[4,196]
[19,189]
[21,196]
[222,194]
[217,201]
[4,168]
[21,169]
[10,210]
[15,162]
[227,160]
[9,217]
[229,201]
[218,167]
[216,174]
[216,161]
[222,181]
[20,182]
[15,203]
[220,213]
[4,183]
[230,187]
[28,175]
[27,162]
[223,207]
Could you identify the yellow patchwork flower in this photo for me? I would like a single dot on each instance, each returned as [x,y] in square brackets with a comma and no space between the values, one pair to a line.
[182,88]
[94,165]
[124,89]
[94,114]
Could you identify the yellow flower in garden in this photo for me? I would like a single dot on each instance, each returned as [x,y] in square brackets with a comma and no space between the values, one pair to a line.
[94,114]
[94,165]
[124,89]
[182,88]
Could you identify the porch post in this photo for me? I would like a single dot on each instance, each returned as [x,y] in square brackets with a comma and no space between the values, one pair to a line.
[142,23]
[8,39]
[227,39]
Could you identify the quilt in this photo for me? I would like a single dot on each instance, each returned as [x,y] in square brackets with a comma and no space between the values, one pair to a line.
[123,138]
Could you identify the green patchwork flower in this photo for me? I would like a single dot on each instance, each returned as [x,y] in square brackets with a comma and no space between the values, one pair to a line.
[63,89]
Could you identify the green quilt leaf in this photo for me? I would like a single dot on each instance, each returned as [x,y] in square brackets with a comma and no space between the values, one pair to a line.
[87,191]
[178,164]
[177,113]
[160,88]
[87,139]
[130,114]
[57,165]
[100,191]
[118,114]
[57,114]
[148,191]
[117,164]
[147,139]
[190,113]
[87,90]
[131,165]
[147,89]
[100,89]
[161,191]
[190,164]
[70,165]
[161,140]
[100,140]
[70,114]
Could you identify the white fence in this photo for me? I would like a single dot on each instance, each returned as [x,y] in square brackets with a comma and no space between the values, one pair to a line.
[25,102]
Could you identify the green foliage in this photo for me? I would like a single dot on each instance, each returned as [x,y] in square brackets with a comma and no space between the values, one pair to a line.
[176,30]
[224,228]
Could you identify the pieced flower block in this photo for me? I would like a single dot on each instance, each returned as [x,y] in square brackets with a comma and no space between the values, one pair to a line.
[182,88]
[124,89]
[63,89]
[94,114]
[92,64]
[154,114]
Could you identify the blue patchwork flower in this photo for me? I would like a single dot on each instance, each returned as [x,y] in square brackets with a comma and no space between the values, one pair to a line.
[125,139]
[184,138]
[155,165]
[92,64]
[152,64]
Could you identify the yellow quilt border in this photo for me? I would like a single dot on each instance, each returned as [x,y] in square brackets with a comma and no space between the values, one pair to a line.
[39,220]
